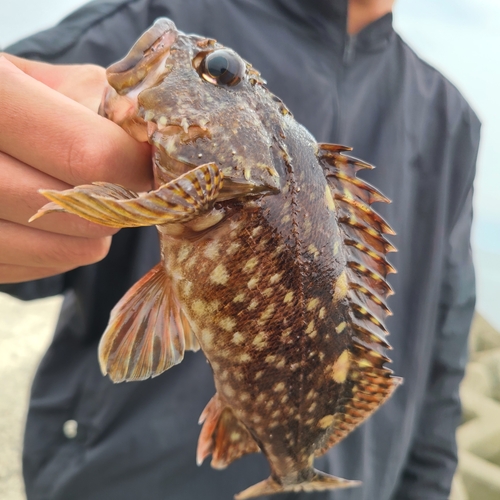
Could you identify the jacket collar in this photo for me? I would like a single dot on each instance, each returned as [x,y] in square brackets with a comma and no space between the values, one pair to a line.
[314,11]
[376,35]
[327,19]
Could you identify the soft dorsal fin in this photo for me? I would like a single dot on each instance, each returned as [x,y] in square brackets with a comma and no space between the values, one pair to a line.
[369,383]
[147,331]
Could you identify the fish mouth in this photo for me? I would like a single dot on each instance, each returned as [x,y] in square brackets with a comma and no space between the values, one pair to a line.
[144,57]
[141,68]
[184,131]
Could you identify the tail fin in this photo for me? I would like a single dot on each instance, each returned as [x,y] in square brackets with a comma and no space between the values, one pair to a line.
[319,482]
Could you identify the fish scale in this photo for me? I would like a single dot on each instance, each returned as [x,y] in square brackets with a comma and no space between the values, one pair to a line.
[273,261]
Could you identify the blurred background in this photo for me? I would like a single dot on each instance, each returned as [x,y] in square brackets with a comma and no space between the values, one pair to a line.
[461,38]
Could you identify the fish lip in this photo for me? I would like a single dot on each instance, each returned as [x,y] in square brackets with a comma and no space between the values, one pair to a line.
[153,46]
[141,68]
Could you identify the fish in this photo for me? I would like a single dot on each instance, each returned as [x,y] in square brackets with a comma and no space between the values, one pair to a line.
[273,261]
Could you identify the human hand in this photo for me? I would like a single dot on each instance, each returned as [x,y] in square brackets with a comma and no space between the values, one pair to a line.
[51,137]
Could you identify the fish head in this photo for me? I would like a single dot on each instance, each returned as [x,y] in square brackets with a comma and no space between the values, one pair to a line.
[196,102]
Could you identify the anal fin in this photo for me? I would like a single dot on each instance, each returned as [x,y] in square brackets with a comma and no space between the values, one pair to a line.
[223,436]
[147,332]
[180,200]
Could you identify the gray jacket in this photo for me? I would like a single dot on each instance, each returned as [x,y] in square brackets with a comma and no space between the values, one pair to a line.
[137,441]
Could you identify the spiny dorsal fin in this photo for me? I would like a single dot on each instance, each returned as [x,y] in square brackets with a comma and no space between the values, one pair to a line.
[147,331]
[370,257]
[362,228]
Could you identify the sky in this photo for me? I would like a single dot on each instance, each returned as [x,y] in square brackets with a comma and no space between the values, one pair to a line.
[461,38]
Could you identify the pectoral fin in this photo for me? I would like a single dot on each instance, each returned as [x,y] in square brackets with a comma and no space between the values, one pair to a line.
[147,331]
[111,205]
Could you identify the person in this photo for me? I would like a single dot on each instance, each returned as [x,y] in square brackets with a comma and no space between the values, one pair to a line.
[350,79]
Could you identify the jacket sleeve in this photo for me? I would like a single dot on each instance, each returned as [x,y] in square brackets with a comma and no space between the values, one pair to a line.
[37,289]
[432,459]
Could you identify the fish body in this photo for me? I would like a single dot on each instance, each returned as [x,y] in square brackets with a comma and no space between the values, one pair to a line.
[260,289]
[273,261]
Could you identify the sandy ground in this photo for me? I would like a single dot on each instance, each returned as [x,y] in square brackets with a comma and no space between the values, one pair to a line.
[25,332]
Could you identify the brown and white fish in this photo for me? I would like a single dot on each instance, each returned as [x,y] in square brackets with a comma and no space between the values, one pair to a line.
[273,261]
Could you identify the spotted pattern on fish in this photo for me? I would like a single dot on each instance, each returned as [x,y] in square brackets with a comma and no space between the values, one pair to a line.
[273,261]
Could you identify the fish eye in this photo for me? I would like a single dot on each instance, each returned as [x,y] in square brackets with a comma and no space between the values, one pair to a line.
[223,68]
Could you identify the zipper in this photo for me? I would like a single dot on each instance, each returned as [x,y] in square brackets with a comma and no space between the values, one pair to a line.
[350,43]
[347,58]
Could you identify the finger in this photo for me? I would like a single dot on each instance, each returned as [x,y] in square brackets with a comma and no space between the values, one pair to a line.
[56,135]
[18,274]
[20,200]
[84,83]
[24,246]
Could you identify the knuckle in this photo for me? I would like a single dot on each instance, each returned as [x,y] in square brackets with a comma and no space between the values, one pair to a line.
[5,70]
[96,250]
[88,155]
[77,153]
[93,230]
[94,73]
